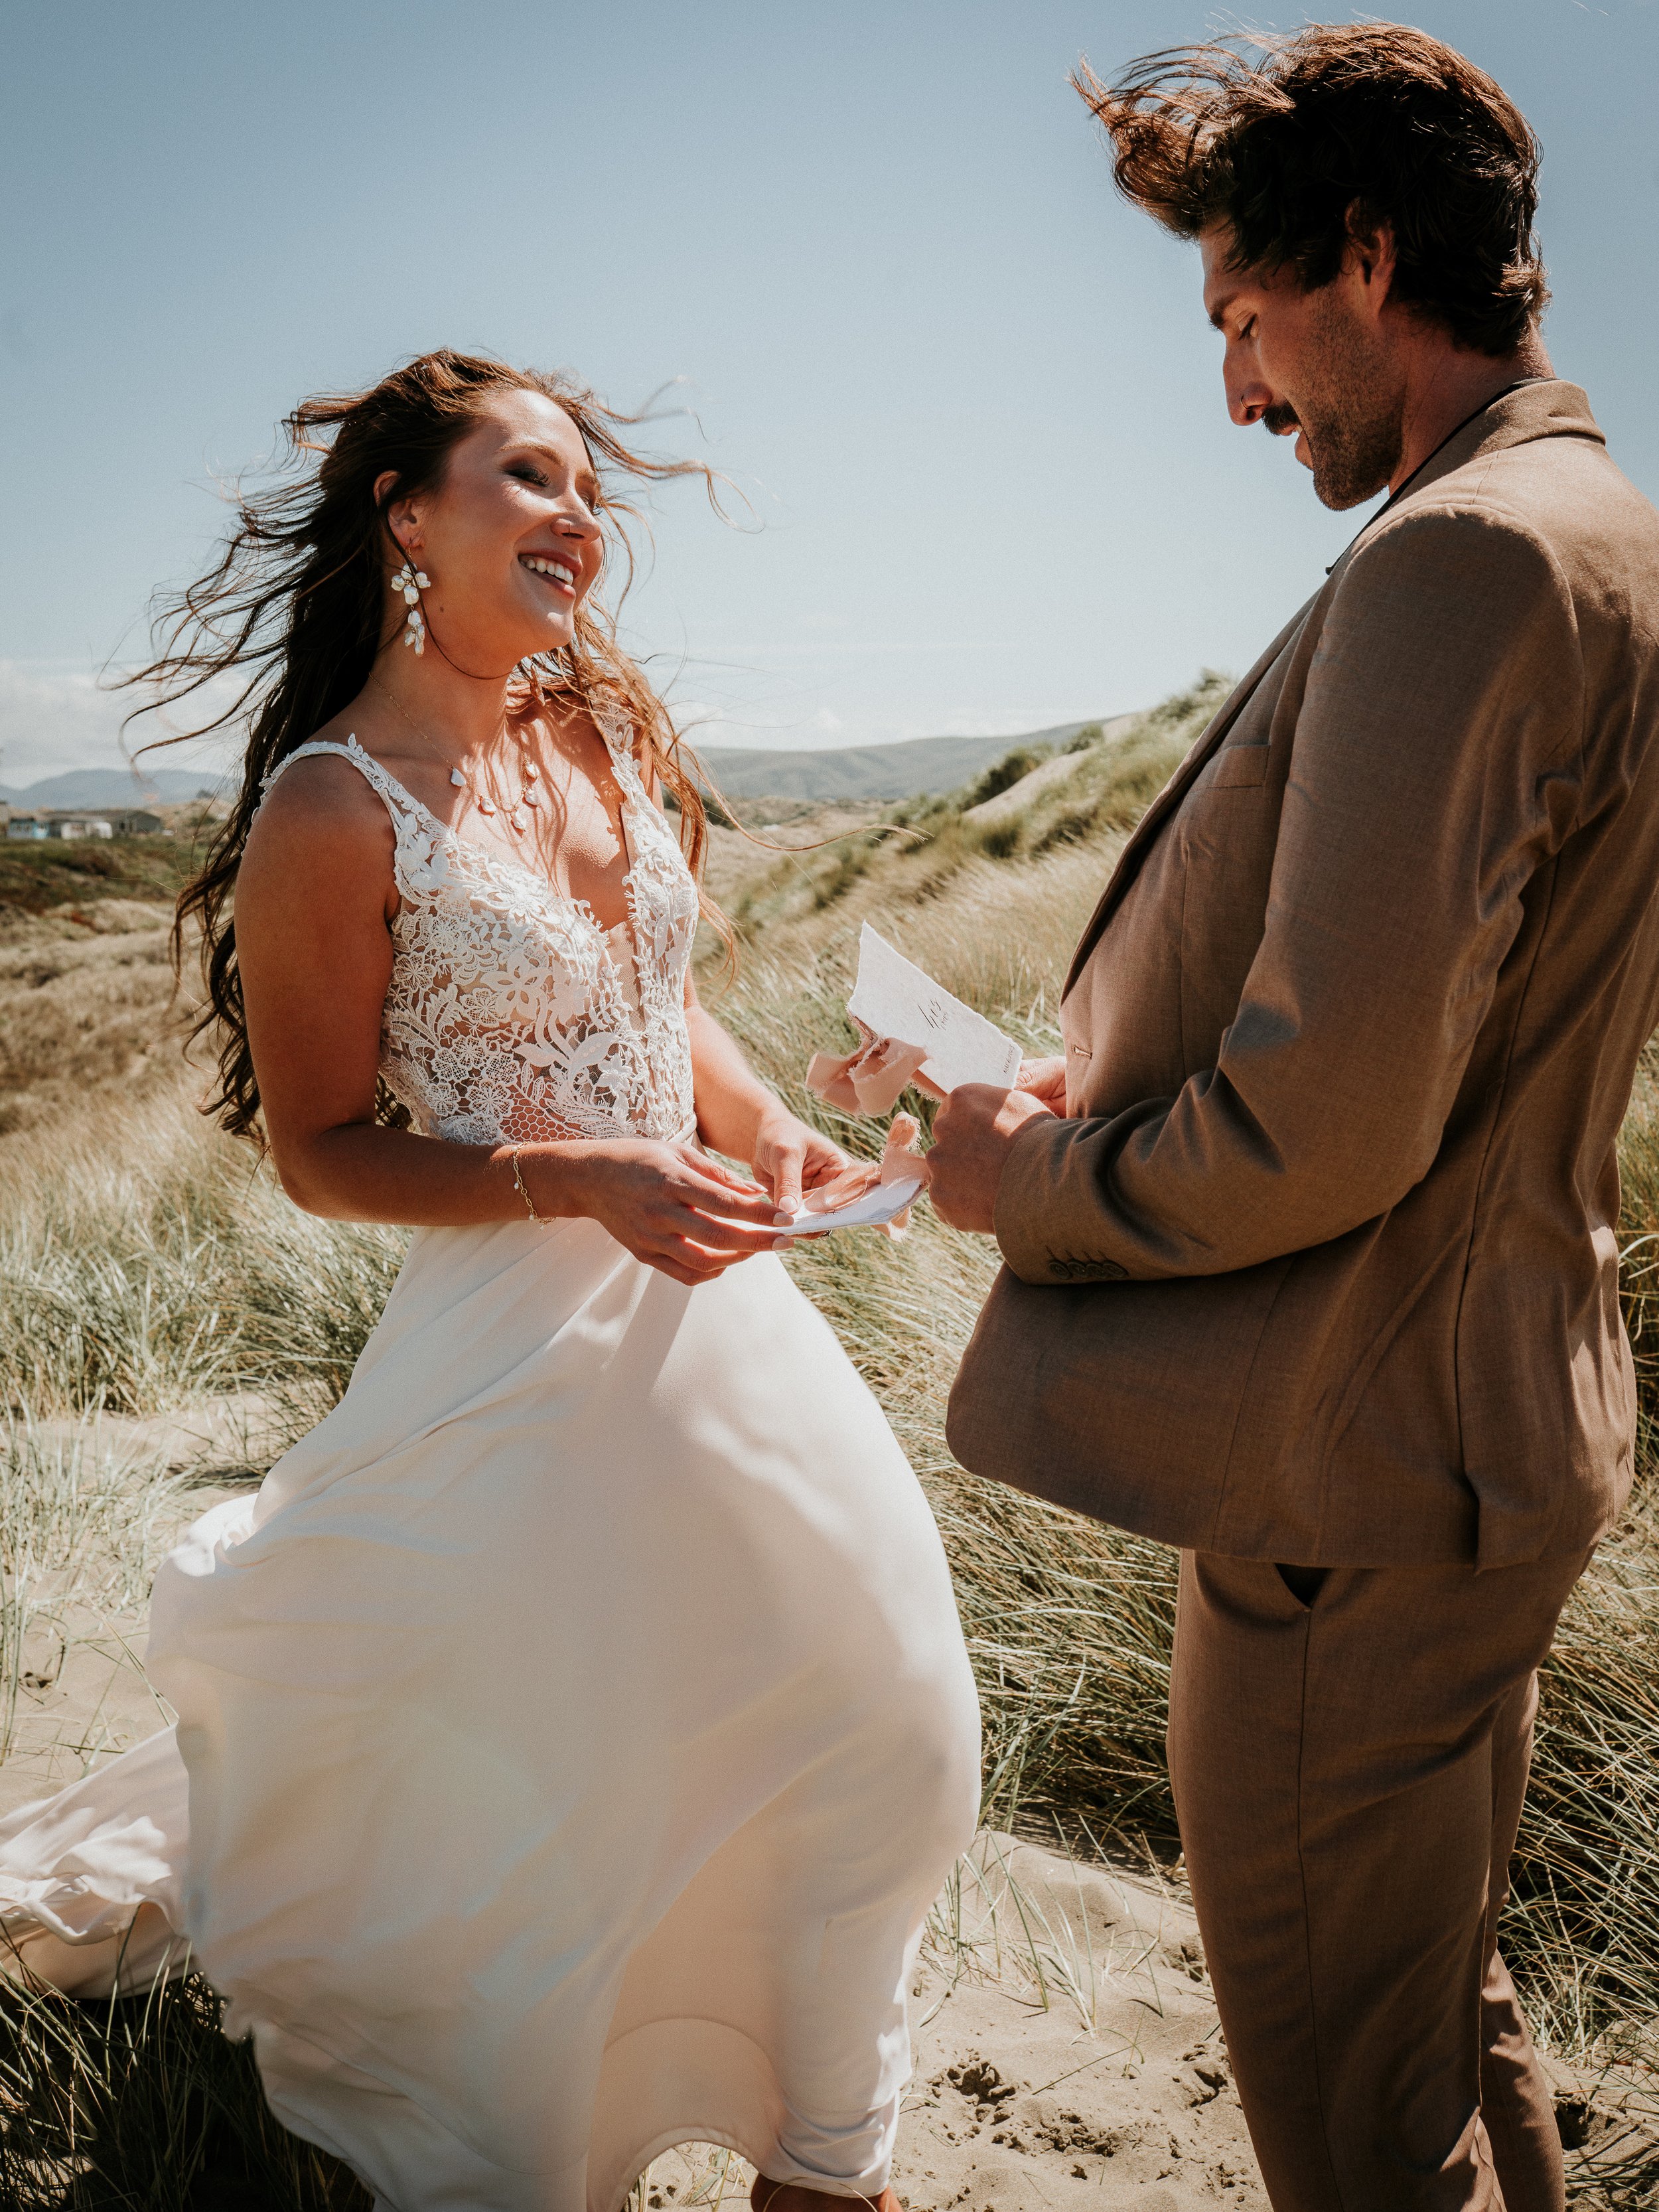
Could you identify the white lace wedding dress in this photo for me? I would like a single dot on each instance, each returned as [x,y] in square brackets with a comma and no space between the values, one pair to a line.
[576,1728]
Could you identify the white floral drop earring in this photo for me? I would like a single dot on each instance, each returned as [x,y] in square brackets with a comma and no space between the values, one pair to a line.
[411,582]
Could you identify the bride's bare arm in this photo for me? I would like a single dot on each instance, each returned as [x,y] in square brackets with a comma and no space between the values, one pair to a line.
[740,1117]
[314,903]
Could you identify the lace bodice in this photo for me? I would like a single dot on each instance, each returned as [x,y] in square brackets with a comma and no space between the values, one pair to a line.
[506,1019]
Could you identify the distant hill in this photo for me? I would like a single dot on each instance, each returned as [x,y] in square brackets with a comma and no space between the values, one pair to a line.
[109,787]
[866,771]
[831,772]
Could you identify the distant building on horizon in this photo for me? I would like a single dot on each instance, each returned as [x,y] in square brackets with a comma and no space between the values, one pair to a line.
[31,825]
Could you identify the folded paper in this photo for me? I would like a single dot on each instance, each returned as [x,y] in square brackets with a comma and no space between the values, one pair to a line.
[868,1194]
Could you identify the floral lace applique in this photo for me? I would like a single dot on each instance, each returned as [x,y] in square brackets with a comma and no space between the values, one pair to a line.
[506,1020]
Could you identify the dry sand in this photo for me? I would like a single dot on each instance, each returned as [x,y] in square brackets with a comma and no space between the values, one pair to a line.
[82,1697]
[1068,2053]
[1071,2053]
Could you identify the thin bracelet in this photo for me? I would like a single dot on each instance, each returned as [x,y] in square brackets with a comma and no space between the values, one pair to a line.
[518,1184]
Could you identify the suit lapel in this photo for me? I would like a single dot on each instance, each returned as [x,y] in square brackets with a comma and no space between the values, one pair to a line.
[1129,859]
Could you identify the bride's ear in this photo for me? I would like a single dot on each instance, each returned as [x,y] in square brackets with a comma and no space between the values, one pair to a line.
[401,516]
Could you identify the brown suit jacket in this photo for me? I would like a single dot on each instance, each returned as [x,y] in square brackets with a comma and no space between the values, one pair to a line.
[1320,1266]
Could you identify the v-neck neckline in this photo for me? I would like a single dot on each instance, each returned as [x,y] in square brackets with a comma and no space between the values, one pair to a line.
[544,884]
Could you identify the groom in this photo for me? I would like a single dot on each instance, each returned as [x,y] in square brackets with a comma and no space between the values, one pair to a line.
[1310,1236]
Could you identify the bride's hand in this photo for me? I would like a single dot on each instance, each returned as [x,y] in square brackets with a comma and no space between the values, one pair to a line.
[790,1157]
[674,1207]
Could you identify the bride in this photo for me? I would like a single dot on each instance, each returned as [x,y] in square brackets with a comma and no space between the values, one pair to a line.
[575,1728]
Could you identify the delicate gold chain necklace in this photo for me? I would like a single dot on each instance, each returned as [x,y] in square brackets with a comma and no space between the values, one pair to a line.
[529,791]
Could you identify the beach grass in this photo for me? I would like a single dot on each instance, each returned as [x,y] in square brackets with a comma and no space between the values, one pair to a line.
[140,2105]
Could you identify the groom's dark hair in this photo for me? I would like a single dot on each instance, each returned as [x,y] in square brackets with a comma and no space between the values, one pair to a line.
[1338,127]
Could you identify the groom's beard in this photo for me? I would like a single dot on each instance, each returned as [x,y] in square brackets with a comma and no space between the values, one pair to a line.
[1354,425]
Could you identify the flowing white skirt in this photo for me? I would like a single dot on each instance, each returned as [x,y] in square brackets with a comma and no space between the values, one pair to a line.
[573,1734]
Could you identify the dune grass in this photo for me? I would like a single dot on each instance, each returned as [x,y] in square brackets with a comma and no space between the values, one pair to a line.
[78,875]
[140,2105]
[145,1263]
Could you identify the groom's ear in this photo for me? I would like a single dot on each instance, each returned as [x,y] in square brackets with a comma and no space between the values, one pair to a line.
[1369,261]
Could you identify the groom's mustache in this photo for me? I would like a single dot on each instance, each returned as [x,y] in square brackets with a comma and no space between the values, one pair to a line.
[1281,418]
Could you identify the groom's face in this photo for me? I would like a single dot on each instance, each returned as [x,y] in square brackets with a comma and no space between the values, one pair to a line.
[1321,366]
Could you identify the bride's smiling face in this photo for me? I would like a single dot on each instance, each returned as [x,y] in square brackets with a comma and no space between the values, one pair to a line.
[509,535]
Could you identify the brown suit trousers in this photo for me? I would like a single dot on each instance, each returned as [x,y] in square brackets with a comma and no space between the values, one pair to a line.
[1349,1773]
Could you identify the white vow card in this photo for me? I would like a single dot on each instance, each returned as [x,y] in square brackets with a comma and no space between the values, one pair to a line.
[883,1203]
[894,998]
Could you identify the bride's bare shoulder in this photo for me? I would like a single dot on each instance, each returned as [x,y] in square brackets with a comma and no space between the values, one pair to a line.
[319,812]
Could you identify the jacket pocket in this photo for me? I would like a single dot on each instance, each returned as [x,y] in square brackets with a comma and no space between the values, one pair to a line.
[1229,834]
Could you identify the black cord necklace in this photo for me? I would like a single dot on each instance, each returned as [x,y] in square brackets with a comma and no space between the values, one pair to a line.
[1395,497]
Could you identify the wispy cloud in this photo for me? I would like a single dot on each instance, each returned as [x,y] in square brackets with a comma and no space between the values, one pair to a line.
[54,715]
[825,648]
[58,714]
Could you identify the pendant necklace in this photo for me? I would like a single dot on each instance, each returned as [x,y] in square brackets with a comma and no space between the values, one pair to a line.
[529,791]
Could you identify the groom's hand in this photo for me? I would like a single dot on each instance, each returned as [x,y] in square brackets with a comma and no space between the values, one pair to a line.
[973,1132]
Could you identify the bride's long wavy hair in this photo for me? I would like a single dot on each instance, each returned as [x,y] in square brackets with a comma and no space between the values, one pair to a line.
[295,611]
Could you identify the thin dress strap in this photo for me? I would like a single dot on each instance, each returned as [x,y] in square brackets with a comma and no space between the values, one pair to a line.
[617,731]
[398,803]
[614,726]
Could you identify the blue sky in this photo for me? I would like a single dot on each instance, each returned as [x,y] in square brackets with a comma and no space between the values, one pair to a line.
[970,392]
